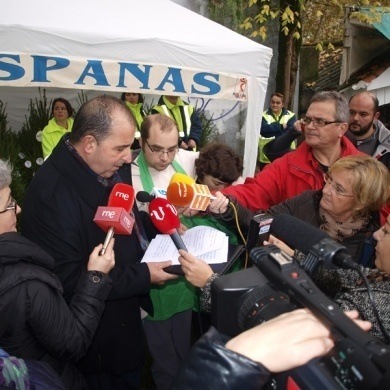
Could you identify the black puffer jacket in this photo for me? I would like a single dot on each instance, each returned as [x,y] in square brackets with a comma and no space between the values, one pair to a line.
[212,366]
[35,321]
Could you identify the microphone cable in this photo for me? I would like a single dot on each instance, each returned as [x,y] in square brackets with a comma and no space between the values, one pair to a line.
[235,213]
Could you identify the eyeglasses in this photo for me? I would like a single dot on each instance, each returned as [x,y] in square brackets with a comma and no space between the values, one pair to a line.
[337,189]
[318,122]
[161,151]
[12,206]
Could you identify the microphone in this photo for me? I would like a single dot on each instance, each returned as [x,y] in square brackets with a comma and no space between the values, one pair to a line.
[165,219]
[313,242]
[180,194]
[146,197]
[259,230]
[115,217]
[182,178]
[196,196]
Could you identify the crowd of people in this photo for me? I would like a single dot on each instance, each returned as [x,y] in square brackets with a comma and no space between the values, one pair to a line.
[87,318]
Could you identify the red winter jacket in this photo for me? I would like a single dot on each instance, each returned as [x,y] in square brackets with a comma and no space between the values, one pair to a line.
[286,177]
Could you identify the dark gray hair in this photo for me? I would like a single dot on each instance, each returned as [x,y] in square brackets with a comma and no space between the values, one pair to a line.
[96,118]
[5,174]
[339,101]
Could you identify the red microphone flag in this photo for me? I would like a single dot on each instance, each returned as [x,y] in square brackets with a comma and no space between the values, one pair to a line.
[163,215]
[115,217]
[165,219]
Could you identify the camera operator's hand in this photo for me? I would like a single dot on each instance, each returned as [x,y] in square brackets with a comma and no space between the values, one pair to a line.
[287,341]
[280,244]
[196,271]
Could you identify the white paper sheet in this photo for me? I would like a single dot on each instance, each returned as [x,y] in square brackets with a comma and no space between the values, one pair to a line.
[204,242]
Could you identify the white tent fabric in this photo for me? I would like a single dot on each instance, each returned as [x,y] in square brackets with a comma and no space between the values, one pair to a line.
[150,46]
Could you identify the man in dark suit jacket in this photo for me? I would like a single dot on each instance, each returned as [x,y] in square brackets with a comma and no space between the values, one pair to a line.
[60,205]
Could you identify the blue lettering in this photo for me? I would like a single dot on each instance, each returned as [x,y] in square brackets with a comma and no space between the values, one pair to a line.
[15,71]
[97,73]
[41,66]
[173,77]
[134,69]
[203,79]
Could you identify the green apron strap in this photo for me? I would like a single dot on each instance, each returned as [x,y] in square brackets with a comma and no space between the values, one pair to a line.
[146,178]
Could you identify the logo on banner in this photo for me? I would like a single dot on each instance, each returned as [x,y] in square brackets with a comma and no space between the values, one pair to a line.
[240,91]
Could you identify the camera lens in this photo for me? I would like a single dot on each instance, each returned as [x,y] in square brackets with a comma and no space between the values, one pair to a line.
[261,304]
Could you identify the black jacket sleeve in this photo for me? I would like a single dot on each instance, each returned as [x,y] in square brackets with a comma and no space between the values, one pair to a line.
[212,366]
[66,331]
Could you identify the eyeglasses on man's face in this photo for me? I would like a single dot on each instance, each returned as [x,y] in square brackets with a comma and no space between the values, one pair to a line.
[317,122]
[337,189]
[161,151]
[12,206]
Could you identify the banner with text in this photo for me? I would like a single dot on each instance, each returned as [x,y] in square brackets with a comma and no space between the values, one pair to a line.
[29,70]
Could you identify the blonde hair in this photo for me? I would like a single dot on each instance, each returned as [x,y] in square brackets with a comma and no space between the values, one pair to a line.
[370,181]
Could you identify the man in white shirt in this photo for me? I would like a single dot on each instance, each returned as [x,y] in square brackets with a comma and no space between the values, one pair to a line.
[168,332]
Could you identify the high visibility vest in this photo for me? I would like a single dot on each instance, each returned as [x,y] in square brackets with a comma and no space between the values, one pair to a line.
[282,120]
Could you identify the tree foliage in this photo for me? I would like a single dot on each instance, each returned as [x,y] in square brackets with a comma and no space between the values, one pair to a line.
[310,22]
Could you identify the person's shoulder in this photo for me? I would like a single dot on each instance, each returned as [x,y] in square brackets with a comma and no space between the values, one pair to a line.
[186,155]
[348,147]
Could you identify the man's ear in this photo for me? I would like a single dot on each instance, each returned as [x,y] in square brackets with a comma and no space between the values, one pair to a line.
[343,128]
[89,144]
[377,115]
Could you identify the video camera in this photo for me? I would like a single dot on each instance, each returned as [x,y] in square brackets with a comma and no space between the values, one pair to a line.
[277,284]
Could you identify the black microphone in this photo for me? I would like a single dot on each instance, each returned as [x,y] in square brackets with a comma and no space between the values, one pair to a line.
[144,197]
[313,242]
[259,230]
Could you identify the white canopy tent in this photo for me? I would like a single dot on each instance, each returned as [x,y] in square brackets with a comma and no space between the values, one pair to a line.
[147,46]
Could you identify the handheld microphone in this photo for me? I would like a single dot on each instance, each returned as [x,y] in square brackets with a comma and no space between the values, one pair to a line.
[146,197]
[195,196]
[182,178]
[311,241]
[115,217]
[180,194]
[259,230]
[165,219]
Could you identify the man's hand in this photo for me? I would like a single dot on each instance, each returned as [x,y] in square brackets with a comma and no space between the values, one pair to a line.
[287,341]
[157,273]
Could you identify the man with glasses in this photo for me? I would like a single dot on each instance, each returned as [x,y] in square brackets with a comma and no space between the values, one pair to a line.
[160,156]
[325,123]
[59,209]
[168,331]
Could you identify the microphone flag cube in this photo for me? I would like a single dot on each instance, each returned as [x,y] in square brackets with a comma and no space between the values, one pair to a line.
[202,197]
[116,217]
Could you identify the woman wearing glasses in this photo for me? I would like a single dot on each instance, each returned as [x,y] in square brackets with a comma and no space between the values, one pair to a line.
[36,322]
[347,208]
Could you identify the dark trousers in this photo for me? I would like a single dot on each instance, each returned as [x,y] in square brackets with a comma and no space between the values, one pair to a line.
[107,381]
[169,343]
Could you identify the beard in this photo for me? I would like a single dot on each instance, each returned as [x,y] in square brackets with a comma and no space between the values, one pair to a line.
[363,130]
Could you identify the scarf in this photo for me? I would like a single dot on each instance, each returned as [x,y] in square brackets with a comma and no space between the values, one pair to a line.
[341,230]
